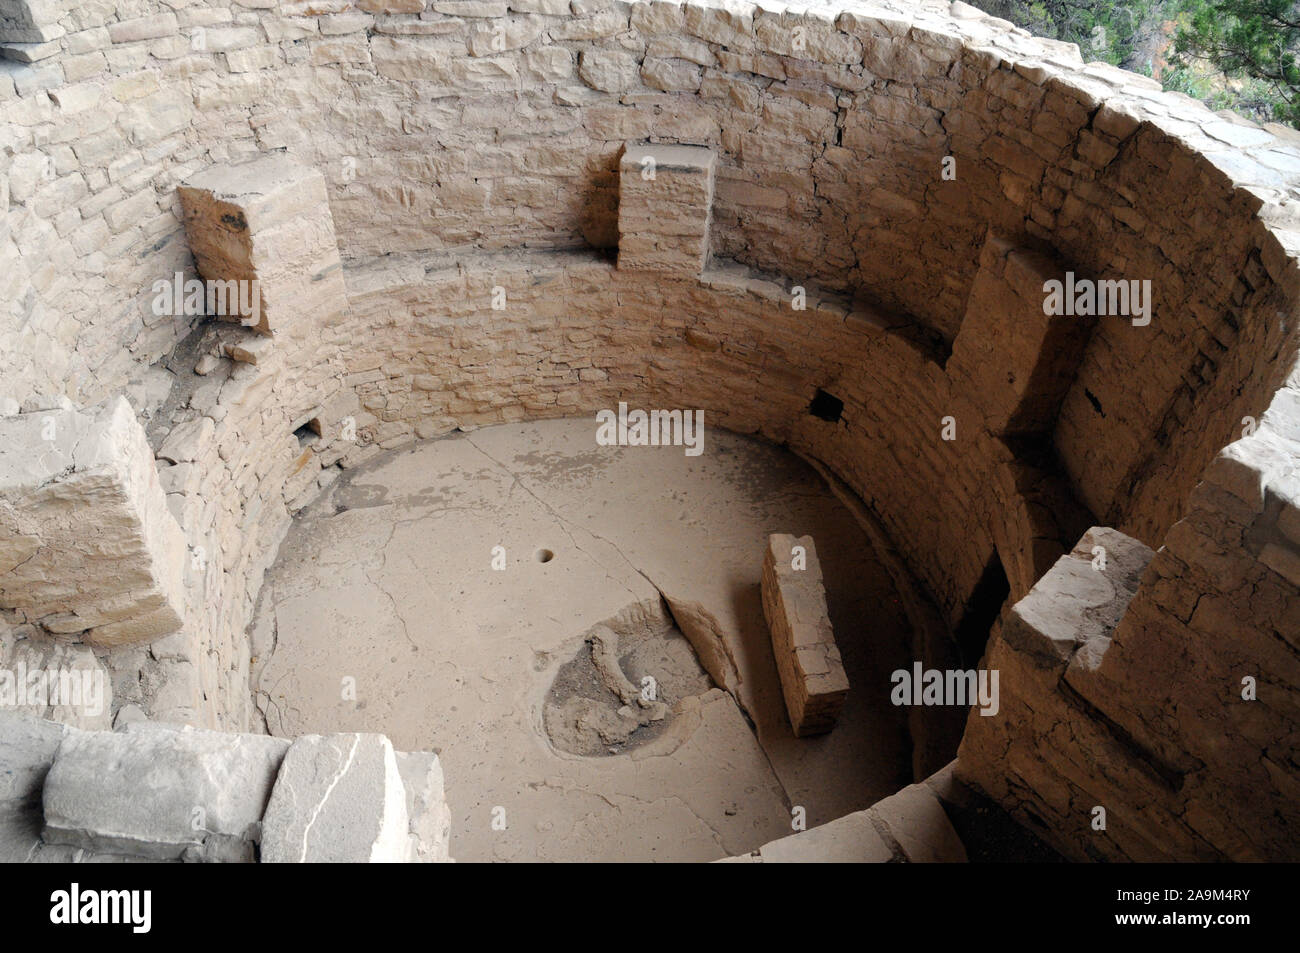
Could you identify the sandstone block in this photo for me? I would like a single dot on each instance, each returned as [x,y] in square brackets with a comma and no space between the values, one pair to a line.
[27,748]
[88,548]
[794,602]
[267,220]
[665,208]
[338,799]
[159,792]
[1009,358]
[426,806]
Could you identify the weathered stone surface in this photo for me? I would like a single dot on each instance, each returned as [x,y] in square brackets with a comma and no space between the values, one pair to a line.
[338,799]
[910,826]
[1010,359]
[56,680]
[154,791]
[267,220]
[426,806]
[794,603]
[27,751]
[88,549]
[665,207]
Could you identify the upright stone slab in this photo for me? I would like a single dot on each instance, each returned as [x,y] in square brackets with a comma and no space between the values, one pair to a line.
[267,220]
[794,601]
[426,806]
[339,799]
[1010,359]
[88,548]
[665,208]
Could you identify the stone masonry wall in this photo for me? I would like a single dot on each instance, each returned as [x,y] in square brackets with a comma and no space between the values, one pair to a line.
[480,124]
[471,146]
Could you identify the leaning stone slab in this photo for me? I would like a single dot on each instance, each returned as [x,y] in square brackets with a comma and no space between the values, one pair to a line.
[794,601]
[89,550]
[162,793]
[338,799]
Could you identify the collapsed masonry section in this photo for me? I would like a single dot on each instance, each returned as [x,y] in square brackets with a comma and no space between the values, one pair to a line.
[89,551]
[267,220]
[794,601]
[665,196]
[162,793]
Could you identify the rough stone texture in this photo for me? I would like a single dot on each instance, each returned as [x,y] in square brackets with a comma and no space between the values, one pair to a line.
[1013,361]
[267,219]
[27,747]
[794,604]
[161,793]
[338,799]
[88,549]
[827,178]
[28,751]
[665,205]
[426,806]
[153,792]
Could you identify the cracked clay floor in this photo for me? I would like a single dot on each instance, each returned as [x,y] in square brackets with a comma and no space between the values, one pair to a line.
[383,612]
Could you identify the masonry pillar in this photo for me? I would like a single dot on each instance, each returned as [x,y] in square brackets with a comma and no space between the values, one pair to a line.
[267,220]
[665,208]
[1011,360]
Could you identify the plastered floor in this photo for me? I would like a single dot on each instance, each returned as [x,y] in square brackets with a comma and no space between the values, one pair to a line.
[384,612]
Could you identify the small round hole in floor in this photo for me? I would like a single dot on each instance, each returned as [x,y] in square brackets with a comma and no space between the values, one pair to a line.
[545,555]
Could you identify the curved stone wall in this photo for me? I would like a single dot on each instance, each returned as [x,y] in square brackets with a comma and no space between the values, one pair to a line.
[470,145]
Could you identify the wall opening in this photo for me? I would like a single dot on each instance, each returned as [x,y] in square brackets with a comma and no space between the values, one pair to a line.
[981,611]
[826,406]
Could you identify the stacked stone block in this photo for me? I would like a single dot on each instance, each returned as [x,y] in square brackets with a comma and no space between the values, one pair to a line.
[807,658]
[665,205]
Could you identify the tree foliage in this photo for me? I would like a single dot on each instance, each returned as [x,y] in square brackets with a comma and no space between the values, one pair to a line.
[1252,40]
